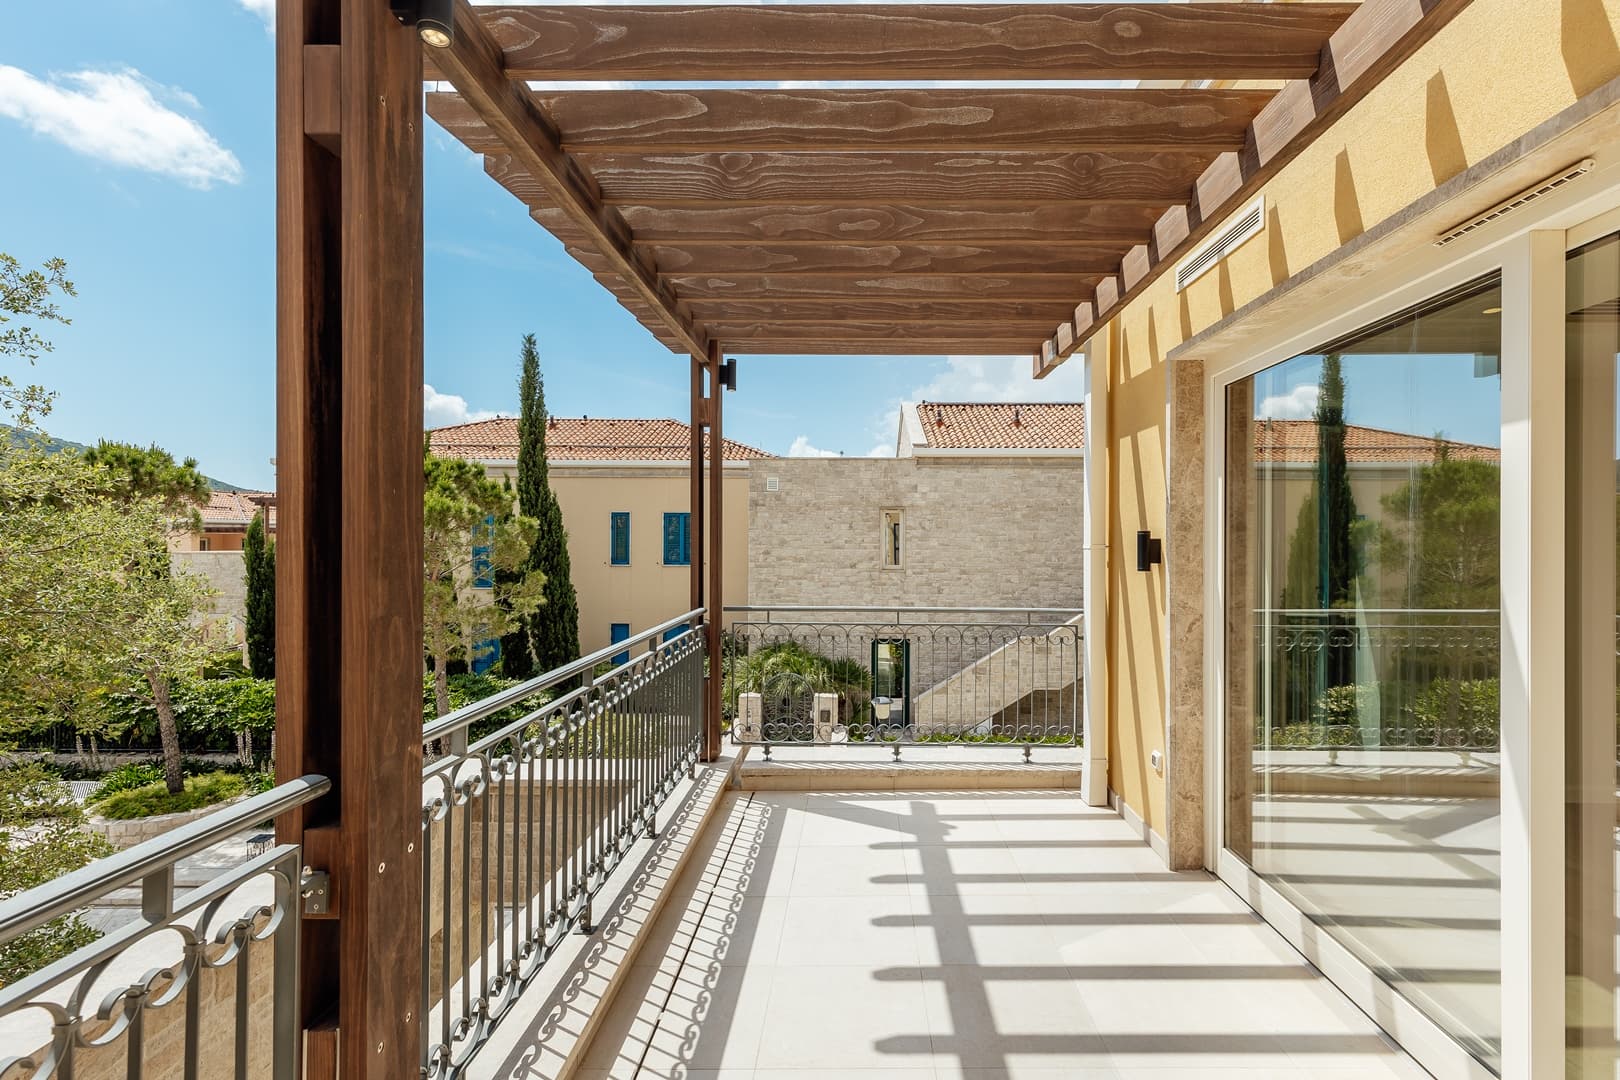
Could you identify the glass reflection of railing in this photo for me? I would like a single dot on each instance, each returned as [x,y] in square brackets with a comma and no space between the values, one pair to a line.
[1377,679]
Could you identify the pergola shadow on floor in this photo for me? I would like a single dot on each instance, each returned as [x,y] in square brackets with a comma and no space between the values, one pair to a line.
[915,935]
[925,219]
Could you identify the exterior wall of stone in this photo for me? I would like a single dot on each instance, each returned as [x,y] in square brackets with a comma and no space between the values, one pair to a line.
[976,532]
[226,575]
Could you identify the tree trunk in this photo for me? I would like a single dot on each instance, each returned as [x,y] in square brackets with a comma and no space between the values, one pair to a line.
[441,686]
[167,732]
[95,753]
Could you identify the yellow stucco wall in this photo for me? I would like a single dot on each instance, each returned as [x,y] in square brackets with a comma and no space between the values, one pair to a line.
[1500,68]
[646,592]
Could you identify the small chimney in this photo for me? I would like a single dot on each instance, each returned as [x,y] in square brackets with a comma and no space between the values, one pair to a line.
[1018,420]
[939,417]
[551,422]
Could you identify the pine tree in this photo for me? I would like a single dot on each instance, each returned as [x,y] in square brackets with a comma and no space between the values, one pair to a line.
[1339,561]
[259,555]
[550,637]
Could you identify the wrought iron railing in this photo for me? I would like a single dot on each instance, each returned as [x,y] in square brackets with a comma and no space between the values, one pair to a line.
[1377,679]
[220,962]
[521,827]
[864,676]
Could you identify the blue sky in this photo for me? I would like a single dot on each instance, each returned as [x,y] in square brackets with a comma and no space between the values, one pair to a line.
[137,142]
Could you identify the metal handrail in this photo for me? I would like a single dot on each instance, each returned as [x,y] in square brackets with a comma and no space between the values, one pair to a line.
[462,718]
[32,909]
[858,610]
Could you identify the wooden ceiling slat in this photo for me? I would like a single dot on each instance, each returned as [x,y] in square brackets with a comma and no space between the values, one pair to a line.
[730,330]
[473,62]
[1119,225]
[760,179]
[937,120]
[953,346]
[980,312]
[899,41]
[873,258]
[878,286]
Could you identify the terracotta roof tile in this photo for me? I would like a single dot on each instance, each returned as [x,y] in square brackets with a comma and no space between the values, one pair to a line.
[965,425]
[581,439]
[1295,441]
[234,509]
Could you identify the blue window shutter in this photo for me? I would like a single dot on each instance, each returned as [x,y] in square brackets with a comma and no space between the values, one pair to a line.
[674,632]
[677,540]
[620,553]
[617,632]
[482,578]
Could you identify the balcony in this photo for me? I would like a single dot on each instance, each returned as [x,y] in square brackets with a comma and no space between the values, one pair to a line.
[916,899]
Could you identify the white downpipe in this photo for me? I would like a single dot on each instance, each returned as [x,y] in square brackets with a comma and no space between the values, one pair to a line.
[1094,530]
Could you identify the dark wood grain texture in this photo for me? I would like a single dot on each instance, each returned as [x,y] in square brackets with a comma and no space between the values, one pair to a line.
[915,346]
[977,311]
[902,41]
[783,287]
[937,120]
[844,259]
[717,549]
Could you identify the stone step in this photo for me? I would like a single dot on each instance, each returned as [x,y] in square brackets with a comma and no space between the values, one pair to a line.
[906,776]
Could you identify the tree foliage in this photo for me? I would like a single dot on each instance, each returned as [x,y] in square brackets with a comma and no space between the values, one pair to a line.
[549,638]
[1446,534]
[259,558]
[28,295]
[135,473]
[470,534]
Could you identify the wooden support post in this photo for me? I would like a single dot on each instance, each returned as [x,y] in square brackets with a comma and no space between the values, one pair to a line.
[695,522]
[716,537]
[349,462]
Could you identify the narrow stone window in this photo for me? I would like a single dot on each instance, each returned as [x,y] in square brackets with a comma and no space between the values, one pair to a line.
[893,525]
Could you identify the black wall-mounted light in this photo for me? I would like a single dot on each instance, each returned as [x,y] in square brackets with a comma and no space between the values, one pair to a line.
[1149,550]
[434,19]
[728,374]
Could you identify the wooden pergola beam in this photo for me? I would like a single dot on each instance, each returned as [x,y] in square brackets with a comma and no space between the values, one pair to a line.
[902,41]
[885,224]
[1124,177]
[473,64]
[718,121]
[919,346]
[979,312]
[842,259]
[1368,46]
[879,286]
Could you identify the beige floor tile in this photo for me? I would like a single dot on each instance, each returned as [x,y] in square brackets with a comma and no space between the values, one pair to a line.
[842,931]
[1011,1016]
[849,871]
[982,929]
[838,1018]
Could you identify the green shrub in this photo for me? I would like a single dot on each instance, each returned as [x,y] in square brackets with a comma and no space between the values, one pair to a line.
[1459,712]
[155,799]
[125,778]
[1345,705]
[41,839]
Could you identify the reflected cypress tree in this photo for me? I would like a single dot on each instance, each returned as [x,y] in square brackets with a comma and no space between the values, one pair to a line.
[1324,542]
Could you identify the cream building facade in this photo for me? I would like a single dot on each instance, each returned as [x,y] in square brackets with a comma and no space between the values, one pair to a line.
[624,489]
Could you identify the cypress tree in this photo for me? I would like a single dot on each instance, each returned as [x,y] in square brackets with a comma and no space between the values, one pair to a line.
[259,553]
[1338,562]
[550,637]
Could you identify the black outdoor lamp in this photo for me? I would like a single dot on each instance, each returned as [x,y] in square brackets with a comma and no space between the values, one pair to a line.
[1149,550]
[728,373]
[434,19]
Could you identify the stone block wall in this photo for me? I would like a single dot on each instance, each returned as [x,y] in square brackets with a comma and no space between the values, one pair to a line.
[976,532]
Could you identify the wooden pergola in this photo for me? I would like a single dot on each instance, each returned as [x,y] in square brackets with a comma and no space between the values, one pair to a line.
[729,220]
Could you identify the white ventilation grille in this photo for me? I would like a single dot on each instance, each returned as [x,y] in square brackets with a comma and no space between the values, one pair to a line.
[773,484]
[1529,195]
[1211,251]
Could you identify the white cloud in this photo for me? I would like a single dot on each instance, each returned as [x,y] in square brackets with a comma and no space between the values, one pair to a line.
[983,378]
[264,9]
[1298,404]
[801,448]
[117,117]
[443,410]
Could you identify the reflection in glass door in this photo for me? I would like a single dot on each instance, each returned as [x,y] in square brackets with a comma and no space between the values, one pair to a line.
[1593,350]
[1363,564]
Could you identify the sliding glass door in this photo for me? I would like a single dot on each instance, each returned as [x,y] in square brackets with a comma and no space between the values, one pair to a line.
[1363,556]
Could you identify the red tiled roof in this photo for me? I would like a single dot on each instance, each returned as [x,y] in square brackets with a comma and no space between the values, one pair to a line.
[964,425]
[581,439]
[234,509]
[1295,441]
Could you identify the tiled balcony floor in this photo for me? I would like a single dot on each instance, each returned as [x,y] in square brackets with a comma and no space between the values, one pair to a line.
[975,935]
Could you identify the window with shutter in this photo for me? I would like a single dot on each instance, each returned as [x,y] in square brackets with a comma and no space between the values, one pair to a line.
[677,539]
[619,552]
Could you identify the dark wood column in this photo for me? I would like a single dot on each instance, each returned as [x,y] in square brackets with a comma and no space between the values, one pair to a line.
[699,413]
[717,539]
[349,451]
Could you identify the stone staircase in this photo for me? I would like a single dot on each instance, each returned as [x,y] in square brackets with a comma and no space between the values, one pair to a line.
[979,693]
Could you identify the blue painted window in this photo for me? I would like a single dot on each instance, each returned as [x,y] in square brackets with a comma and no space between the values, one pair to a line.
[678,539]
[619,550]
[482,577]
[674,632]
[486,655]
[618,632]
